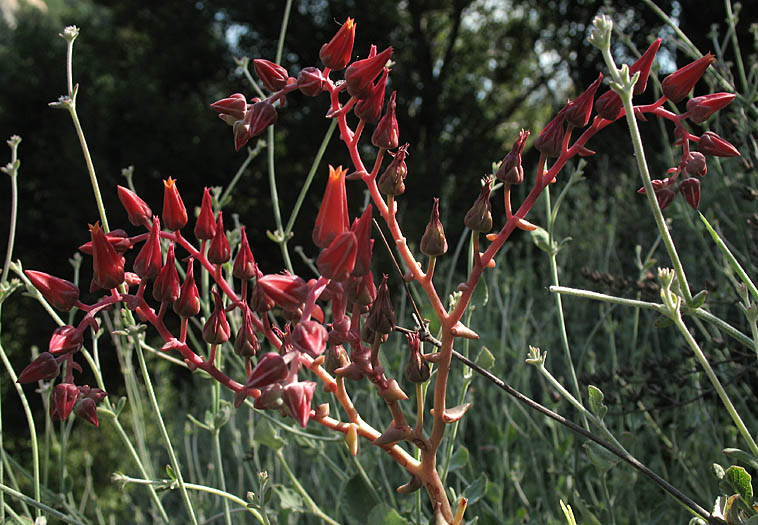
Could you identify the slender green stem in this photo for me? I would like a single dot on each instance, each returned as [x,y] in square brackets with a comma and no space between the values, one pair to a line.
[30,424]
[192,486]
[744,277]
[221,480]
[283,31]
[730,18]
[90,168]
[40,507]
[553,254]
[163,430]
[251,154]
[309,178]
[677,318]
[13,173]
[596,296]
[624,87]
[315,509]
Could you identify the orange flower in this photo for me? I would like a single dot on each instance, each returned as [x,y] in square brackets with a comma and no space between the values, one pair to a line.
[332,218]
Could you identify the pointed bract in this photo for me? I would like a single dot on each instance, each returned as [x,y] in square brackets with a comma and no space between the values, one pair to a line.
[370,109]
[271,368]
[297,398]
[246,342]
[710,143]
[310,338]
[337,261]
[510,170]
[310,81]
[609,105]
[287,291]
[65,339]
[550,140]
[362,229]
[700,108]
[391,181]
[62,400]
[643,65]
[479,217]
[260,116]
[234,107]
[690,189]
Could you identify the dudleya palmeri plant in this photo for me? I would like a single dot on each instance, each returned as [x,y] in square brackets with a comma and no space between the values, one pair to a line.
[297,333]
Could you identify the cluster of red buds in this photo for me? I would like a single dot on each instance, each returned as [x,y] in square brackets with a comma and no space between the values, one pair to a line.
[334,325]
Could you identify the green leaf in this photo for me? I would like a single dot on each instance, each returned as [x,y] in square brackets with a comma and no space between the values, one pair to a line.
[359,496]
[663,322]
[600,457]
[739,480]
[596,402]
[476,490]
[698,299]
[120,404]
[741,455]
[170,472]
[266,435]
[485,359]
[541,239]
[481,294]
[289,499]
[383,514]
[459,459]
[568,513]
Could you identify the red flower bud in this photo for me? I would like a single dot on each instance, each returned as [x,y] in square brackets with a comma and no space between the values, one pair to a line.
[241,134]
[609,105]
[232,108]
[86,409]
[205,227]
[174,212]
[550,140]
[149,260]
[643,65]
[166,285]
[434,243]
[260,116]
[310,81]
[381,317]
[510,170]
[188,303]
[244,263]
[45,367]
[65,339]
[117,238]
[60,293]
[391,181]
[690,188]
[479,217]
[288,291]
[62,400]
[695,164]
[417,370]
[362,229]
[136,209]
[386,134]
[710,143]
[309,337]
[108,266]
[297,399]
[337,52]
[246,342]
[332,218]
[678,84]
[580,109]
[700,108]
[360,75]
[271,368]
[361,289]
[370,109]
[663,193]
[271,398]
[337,261]
[259,301]
[216,329]
[273,76]
[219,251]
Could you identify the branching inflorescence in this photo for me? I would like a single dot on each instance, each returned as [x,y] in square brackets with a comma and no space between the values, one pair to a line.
[332,328]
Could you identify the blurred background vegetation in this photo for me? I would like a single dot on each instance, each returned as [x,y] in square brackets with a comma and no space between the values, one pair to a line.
[469,75]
